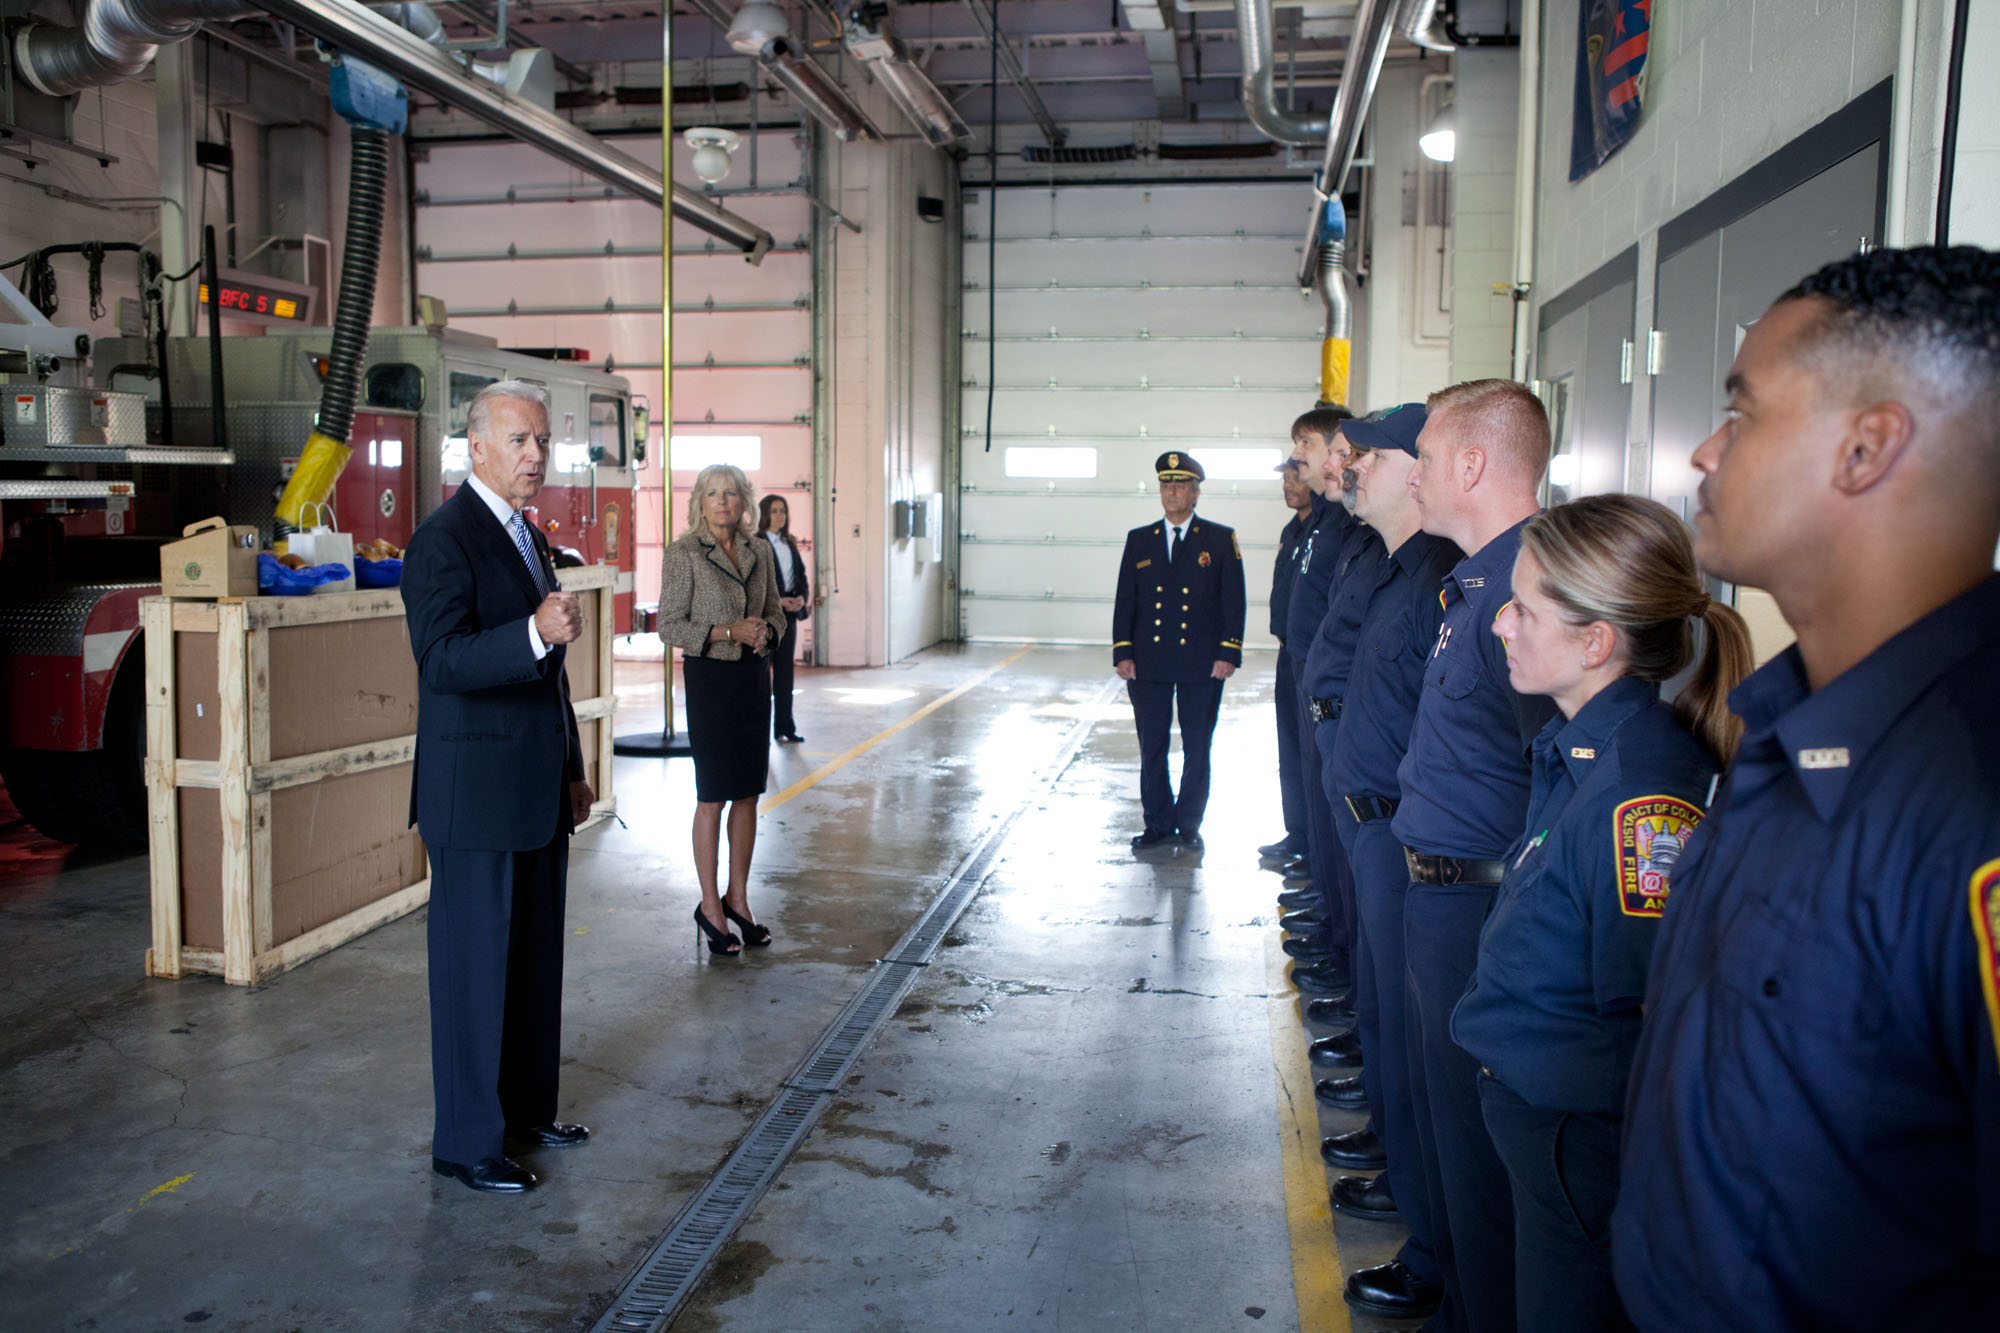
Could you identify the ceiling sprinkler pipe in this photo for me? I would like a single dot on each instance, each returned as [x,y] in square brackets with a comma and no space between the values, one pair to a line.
[1260,102]
[115,42]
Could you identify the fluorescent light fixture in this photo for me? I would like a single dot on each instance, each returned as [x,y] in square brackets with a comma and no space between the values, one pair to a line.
[1242,464]
[692,453]
[1077,463]
[1440,141]
[884,55]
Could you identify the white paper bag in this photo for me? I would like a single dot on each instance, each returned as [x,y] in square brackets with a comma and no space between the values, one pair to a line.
[325,544]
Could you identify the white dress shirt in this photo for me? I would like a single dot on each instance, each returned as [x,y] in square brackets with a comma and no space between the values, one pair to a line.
[783,550]
[503,514]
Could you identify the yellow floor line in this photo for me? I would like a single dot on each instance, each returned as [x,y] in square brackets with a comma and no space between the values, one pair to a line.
[1318,1277]
[826,770]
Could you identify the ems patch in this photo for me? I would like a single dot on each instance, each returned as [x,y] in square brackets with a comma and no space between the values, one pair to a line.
[1202,560]
[1649,834]
[1986,931]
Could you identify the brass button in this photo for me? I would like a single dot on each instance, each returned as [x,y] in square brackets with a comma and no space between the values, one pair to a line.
[1156,606]
[1156,638]
[1184,606]
[1156,622]
[1183,640]
[1184,592]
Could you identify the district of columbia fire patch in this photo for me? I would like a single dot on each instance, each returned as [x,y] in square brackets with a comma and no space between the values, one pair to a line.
[1649,834]
[1986,930]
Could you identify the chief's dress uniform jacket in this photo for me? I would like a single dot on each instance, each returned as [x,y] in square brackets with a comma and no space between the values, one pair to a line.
[1812,1135]
[1174,620]
[1553,1012]
[497,749]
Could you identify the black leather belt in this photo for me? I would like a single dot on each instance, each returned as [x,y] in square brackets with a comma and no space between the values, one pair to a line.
[1367,808]
[1449,870]
[1322,710]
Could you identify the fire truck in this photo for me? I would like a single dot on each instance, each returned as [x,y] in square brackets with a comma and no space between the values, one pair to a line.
[95,477]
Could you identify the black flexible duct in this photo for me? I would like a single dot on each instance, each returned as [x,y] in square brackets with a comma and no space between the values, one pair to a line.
[367,185]
[218,400]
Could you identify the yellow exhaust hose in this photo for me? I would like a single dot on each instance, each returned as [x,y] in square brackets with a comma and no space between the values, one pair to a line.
[1333,366]
[312,480]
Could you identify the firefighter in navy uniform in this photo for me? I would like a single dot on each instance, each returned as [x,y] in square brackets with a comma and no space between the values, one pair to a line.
[1177,632]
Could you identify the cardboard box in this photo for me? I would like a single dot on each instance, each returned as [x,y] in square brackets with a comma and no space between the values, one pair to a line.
[212,559]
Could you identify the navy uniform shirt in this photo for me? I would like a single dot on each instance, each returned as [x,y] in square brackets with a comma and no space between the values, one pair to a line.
[1465,778]
[1176,619]
[1553,1009]
[1284,573]
[1396,637]
[1327,528]
[1331,656]
[1813,1131]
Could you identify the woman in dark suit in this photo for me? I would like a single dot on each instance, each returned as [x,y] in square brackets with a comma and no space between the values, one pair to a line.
[774,523]
[719,606]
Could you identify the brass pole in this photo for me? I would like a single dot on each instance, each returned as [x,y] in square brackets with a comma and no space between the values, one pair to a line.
[667,320]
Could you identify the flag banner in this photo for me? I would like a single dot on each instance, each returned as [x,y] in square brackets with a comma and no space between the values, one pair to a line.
[1612,36]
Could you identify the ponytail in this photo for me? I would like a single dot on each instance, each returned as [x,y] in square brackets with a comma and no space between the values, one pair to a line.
[1703,704]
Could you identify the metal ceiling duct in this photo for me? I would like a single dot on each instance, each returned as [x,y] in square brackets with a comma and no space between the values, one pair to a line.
[1260,102]
[367,36]
[1422,25]
[1374,25]
[116,41]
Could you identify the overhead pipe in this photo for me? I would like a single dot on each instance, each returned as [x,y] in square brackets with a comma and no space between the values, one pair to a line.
[1527,134]
[1260,96]
[115,42]
[1422,25]
[1336,350]
[370,37]
[1374,25]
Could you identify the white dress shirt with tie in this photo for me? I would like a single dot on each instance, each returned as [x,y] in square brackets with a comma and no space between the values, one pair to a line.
[503,514]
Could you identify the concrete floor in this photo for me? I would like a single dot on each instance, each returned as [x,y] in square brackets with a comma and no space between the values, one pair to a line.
[1077,1118]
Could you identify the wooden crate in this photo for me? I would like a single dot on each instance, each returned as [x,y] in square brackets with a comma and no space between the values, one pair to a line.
[280,732]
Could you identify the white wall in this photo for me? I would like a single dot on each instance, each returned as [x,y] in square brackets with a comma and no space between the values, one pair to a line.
[892,311]
[1975,198]
[1394,363]
[1488,109]
[1727,83]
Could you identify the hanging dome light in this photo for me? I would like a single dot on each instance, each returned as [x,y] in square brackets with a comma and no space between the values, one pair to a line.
[712,148]
[1440,141]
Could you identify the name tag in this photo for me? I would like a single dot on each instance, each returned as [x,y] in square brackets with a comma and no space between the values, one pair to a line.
[1834,756]
[1473,583]
[1582,752]
[1142,564]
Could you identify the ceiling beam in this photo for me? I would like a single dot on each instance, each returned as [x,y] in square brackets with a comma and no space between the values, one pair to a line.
[1010,61]
[1153,20]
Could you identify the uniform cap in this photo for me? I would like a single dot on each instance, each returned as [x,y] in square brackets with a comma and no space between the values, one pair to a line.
[1391,428]
[1176,466]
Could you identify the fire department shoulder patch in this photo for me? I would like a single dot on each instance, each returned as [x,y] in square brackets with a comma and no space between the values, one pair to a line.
[1649,834]
[1986,931]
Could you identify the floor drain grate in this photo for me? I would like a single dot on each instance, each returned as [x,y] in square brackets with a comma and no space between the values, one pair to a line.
[666,1277]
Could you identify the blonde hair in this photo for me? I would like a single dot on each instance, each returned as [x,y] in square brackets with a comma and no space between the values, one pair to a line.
[1506,419]
[733,476]
[1628,561]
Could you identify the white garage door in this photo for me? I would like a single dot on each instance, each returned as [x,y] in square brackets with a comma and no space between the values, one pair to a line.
[1131,321]
[528,251]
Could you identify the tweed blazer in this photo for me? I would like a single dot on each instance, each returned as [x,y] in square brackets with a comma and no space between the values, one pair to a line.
[701,588]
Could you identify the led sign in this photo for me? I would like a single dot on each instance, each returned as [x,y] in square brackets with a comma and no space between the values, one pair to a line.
[259,300]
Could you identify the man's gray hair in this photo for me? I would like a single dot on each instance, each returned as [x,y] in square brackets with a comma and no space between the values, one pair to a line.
[478,416]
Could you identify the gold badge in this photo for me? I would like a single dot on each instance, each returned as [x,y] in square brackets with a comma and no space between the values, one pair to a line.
[1173,460]
[1986,931]
[1202,560]
[1649,834]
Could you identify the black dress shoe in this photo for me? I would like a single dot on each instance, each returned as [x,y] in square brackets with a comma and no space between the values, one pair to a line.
[1282,850]
[1307,948]
[1394,1292]
[555,1134]
[492,1175]
[1299,882]
[790,738]
[1296,866]
[1190,842]
[1341,1051]
[1366,1197]
[1346,1093]
[1150,838]
[1358,1148]
[1322,978]
[1305,921]
[1330,1013]
[1295,900]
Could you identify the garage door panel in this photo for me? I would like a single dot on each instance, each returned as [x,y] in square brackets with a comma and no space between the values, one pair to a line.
[1220,261]
[1126,211]
[1156,312]
[1277,364]
[1039,622]
[1255,417]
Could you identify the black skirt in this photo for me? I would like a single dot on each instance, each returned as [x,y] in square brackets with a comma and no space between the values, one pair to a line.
[729,725]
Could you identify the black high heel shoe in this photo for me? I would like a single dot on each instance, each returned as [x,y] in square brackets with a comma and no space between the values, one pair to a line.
[718,940]
[754,935]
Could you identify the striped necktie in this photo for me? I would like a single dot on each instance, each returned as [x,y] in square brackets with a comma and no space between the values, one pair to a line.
[518,526]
